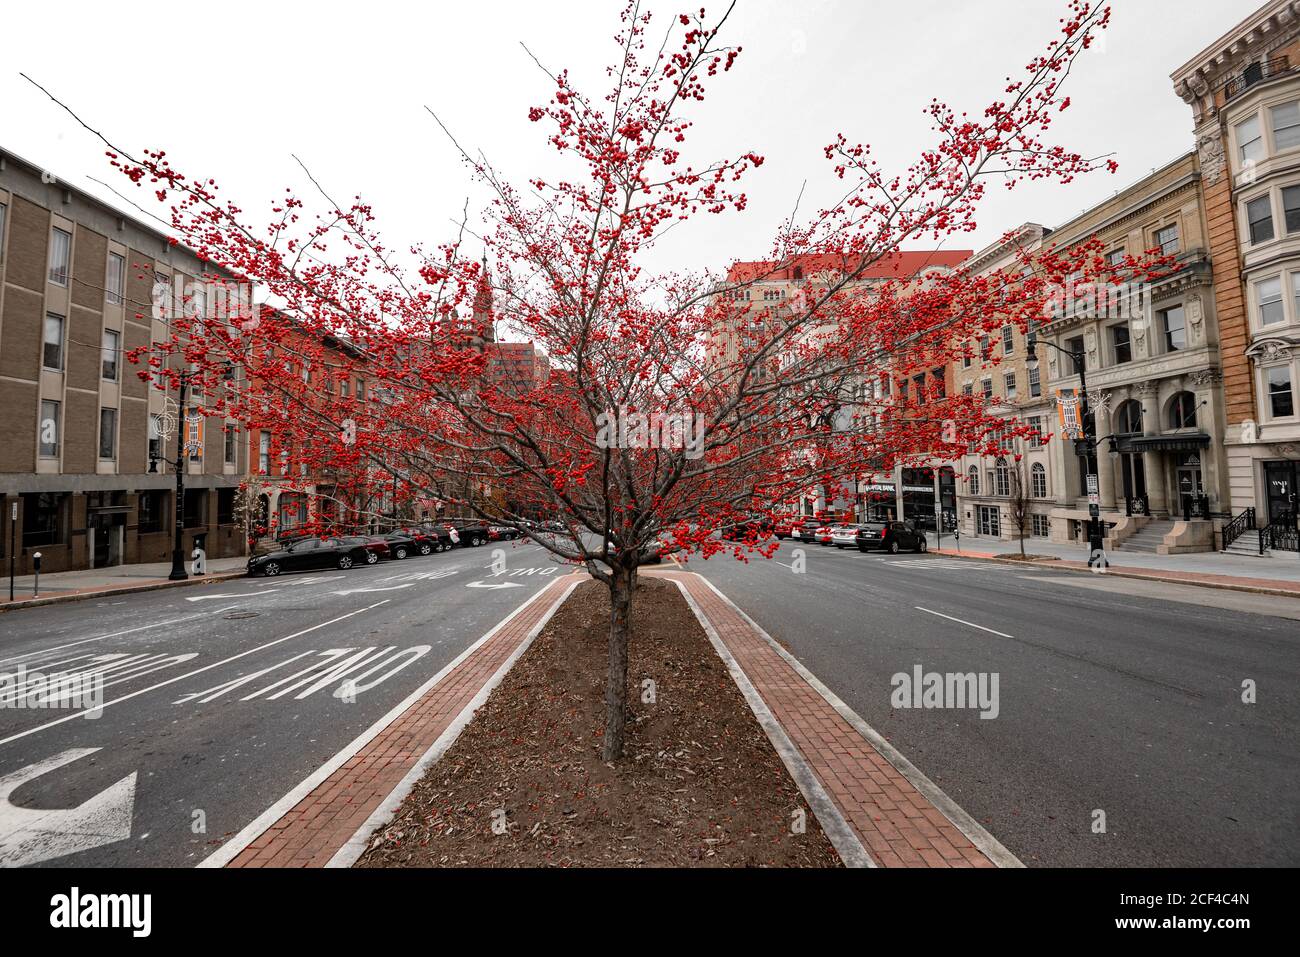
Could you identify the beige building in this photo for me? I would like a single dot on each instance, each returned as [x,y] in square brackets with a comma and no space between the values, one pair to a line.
[81,285]
[995,367]
[1151,360]
[1244,91]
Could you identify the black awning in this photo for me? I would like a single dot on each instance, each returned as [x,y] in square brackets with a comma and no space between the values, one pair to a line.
[1163,443]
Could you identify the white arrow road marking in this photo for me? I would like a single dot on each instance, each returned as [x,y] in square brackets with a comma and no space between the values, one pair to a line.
[490,585]
[248,594]
[115,634]
[197,671]
[29,835]
[353,591]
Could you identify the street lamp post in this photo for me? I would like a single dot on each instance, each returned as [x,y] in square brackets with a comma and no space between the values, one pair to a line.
[1089,441]
[178,572]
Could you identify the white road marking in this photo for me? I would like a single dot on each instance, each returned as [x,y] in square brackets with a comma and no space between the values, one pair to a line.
[248,594]
[354,591]
[490,585]
[196,671]
[116,634]
[30,835]
[960,621]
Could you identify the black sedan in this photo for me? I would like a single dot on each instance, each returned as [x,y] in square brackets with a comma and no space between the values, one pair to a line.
[308,553]
[429,539]
[892,537]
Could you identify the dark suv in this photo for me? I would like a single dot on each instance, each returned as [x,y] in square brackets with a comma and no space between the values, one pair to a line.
[892,537]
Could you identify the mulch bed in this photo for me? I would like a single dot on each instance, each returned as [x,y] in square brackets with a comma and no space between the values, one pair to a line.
[699,784]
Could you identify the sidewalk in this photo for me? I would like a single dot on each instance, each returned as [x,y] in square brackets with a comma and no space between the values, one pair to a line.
[124,579]
[1215,569]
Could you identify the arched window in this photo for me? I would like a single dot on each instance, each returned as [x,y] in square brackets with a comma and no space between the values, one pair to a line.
[1182,411]
[1001,478]
[974,474]
[1038,480]
[1128,420]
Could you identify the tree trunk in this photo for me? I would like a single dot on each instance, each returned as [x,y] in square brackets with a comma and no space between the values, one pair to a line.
[620,629]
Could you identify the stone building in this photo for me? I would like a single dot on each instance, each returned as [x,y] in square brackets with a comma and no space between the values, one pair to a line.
[81,285]
[995,368]
[1152,362]
[1244,92]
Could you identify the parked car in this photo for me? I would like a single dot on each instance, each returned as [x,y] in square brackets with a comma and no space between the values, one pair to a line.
[400,544]
[429,540]
[805,530]
[891,537]
[502,533]
[306,553]
[822,534]
[468,532]
[375,548]
[844,536]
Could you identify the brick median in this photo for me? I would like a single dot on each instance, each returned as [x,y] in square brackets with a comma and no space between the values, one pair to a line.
[897,825]
[318,825]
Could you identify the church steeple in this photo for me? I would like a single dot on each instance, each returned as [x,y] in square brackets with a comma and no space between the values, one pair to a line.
[483,324]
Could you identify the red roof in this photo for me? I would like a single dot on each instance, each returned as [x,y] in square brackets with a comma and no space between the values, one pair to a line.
[899,265]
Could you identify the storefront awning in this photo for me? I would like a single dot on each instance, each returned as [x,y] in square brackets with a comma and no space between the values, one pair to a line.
[1163,443]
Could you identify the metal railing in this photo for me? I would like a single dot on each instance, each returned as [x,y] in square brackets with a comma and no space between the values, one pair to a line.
[1280,535]
[1233,530]
[1257,72]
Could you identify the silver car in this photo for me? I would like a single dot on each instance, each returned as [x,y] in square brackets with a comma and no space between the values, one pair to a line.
[844,536]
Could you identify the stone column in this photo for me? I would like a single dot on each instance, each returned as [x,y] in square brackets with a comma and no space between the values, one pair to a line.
[1153,463]
[1105,466]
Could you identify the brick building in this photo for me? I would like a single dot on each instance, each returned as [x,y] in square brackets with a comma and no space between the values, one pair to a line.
[80,286]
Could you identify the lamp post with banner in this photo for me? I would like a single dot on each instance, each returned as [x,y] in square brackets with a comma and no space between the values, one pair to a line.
[184,446]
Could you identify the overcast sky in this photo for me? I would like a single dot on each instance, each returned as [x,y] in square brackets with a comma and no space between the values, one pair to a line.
[231,90]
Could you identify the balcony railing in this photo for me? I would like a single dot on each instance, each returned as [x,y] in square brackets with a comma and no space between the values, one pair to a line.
[1257,72]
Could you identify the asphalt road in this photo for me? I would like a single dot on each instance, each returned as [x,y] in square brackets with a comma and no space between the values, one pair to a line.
[219,699]
[1115,695]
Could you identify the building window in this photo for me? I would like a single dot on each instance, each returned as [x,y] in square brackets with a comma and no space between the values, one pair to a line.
[1167,239]
[1286,125]
[1259,219]
[114,280]
[226,506]
[1281,400]
[920,388]
[940,387]
[968,389]
[1128,421]
[52,351]
[1120,341]
[1250,142]
[985,348]
[264,453]
[45,519]
[1042,526]
[60,256]
[1268,294]
[1291,208]
[1038,481]
[196,508]
[1174,328]
[974,480]
[1001,478]
[108,433]
[1009,384]
[345,387]
[1008,340]
[361,390]
[231,439]
[150,509]
[965,361]
[4,210]
[1036,437]
[986,387]
[1182,411]
[1035,383]
[1074,346]
[1115,257]
[108,363]
[990,520]
[49,429]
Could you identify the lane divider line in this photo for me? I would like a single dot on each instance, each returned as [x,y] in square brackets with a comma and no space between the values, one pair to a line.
[961,621]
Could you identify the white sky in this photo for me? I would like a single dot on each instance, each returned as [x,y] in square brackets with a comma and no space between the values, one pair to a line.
[230,90]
